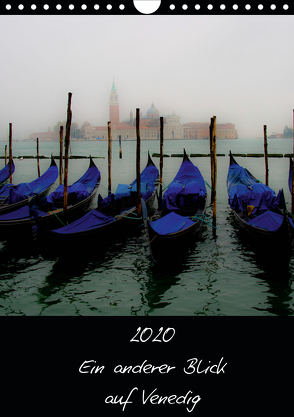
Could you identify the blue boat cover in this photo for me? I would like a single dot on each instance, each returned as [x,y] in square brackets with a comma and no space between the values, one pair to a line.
[268,220]
[78,191]
[148,177]
[243,189]
[90,221]
[19,214]
[171,223]
[40,207]
[4,172]
[187,188]
[22,191]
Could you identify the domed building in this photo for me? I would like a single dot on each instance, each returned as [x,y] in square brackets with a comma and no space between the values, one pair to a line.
[152,112]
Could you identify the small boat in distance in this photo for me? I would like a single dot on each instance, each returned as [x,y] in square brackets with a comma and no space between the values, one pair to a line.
[258,210]
[180,213]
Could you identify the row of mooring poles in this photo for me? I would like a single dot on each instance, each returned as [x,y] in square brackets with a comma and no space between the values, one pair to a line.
[213,166]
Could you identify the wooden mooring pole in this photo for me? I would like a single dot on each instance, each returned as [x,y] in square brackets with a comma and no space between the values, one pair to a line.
[161,157]
[265,154]
[5,154]
[120,149]
[67,142]
[60,154]
[109,157]
[10,153]
[292,195]
[38,158]
[213,163]
[138,169]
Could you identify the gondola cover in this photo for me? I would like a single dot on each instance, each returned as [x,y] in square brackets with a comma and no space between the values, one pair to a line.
[22,191]
[245,190]
[171,223]
[4,172]
[187,188]
[148,177]
[114,204]
[78,191]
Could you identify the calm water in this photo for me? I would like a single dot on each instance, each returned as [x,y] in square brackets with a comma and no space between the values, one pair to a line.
[216,276]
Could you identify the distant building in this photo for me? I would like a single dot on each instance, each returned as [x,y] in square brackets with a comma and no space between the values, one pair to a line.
[149,126]
[44,136]
[201,131]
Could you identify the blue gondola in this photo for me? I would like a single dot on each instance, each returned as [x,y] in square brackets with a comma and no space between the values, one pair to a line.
[258,210]
[13,196]
[180,215]
[115,215]
[48,211]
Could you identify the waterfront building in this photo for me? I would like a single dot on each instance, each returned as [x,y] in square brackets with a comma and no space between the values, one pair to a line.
[149,126]
[195,130]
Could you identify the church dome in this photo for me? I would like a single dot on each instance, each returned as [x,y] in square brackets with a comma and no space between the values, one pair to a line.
[152,112]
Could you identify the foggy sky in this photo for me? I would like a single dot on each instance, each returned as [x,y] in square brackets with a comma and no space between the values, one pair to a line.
[238,68]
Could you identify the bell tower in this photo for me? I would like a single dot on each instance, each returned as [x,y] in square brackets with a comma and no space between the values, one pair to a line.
[113,105]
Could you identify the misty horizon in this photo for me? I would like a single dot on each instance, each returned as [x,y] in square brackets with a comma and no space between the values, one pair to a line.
[237,68]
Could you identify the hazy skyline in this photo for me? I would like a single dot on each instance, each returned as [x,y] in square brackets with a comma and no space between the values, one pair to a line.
[238,68]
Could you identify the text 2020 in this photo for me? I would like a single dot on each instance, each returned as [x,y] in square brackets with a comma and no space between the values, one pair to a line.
[146,334]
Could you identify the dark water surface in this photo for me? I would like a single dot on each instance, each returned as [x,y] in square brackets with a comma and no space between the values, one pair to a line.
[215,276]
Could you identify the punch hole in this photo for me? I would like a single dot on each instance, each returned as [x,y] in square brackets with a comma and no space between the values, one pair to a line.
[197,6]
[210,7]
[122,6]
[96,6]
[20,6]
[84,7]
[109,7]
[147,7]
[58,7]
[285,7]
[172,7]
[185,7]
[247,7]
